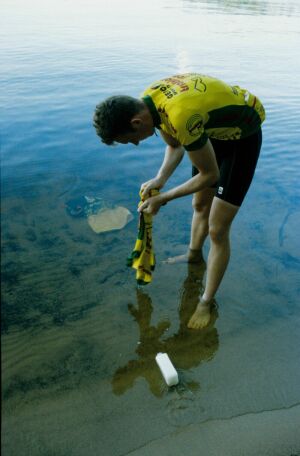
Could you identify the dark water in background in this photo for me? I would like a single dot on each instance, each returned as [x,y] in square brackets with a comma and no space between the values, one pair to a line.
[78,340]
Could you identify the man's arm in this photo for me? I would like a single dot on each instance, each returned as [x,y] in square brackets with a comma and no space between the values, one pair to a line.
[173,155]
[204,160]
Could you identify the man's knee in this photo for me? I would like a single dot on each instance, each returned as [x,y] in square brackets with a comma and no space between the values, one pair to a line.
[201,208]
[202,201]
[218,233]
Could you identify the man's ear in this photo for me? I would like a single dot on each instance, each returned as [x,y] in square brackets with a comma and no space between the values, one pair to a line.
[136,122]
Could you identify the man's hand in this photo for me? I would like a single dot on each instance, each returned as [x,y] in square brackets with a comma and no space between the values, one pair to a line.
[156,182]
[152,205]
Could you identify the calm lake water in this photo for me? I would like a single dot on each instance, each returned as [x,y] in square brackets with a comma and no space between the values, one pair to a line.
[78,339]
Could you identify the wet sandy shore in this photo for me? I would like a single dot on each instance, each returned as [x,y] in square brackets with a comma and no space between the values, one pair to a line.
[268,433]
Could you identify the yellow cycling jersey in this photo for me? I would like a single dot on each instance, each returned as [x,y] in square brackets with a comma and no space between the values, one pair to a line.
[193,107]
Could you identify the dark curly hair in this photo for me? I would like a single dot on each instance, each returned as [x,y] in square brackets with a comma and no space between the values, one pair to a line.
[112,117]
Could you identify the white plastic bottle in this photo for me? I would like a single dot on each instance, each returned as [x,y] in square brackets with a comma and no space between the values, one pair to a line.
[167,369]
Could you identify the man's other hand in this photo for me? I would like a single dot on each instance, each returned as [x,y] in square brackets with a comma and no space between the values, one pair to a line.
[152,205]
[156,182]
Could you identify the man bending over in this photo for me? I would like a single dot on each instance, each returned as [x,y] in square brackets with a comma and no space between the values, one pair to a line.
[219,126]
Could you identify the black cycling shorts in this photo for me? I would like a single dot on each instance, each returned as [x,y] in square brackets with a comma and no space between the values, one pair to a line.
[237,162]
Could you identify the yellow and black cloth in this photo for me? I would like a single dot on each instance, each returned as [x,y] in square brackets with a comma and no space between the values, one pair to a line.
[142,257]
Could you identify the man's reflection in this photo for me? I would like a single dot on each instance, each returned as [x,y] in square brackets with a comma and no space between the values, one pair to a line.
[187,348]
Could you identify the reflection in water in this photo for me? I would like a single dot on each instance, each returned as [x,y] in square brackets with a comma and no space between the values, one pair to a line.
[187,348]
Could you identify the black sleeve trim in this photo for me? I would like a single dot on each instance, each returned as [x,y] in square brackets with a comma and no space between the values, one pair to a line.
[200,142]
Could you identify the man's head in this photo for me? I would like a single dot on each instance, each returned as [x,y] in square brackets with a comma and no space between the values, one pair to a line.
[123,119]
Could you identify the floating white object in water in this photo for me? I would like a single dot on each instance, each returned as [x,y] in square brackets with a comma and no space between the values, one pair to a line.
[167,369]
[110,219]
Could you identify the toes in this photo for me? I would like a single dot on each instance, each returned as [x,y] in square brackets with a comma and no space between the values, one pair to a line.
[199,321]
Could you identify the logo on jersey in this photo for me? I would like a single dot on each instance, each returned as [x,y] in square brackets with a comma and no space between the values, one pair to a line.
[195,125]
[199,85]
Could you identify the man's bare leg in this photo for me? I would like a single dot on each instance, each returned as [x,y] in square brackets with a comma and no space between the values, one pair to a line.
[220,219]
[201,203]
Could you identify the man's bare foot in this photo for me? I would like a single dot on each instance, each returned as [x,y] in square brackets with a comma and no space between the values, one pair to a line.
[201,316]
[192,256]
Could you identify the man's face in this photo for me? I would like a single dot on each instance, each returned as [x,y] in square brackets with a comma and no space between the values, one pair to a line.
[140,132]
[129,138]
